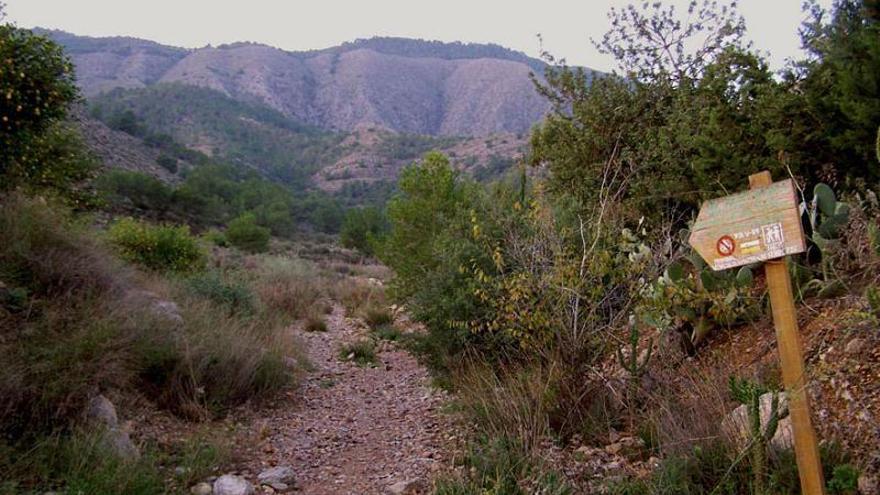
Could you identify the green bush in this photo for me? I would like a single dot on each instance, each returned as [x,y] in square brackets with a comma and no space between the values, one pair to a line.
[37,84]
[375,316]
[236,297]
[169,163]
[216,237]
[157,247]
[120,187]
[245,234]
[362,229]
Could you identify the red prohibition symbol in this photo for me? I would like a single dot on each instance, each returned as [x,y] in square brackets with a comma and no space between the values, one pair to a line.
[725,246]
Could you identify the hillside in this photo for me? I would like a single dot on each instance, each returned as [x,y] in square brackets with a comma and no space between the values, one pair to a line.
[403,85]
[256,136]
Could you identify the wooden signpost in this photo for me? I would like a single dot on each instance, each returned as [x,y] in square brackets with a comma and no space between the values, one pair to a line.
[764,224]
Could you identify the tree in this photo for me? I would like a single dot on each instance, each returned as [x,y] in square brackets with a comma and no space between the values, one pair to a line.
[362,229]
[652,41]
[840,88]
[244,233]
[37,87]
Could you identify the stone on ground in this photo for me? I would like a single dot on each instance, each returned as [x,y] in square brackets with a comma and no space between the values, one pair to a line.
[229,484]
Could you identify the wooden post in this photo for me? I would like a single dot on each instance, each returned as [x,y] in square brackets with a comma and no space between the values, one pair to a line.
[792,362]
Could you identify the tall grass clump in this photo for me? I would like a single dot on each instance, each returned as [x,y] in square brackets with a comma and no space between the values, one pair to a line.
[58,337]
[287,286]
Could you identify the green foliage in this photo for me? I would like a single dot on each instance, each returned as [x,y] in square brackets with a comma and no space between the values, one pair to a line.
[749,394]
[157,247]
[236,297]
[840,84]
[245,133]
[80,463]
[167,162]
[696,300]
[363,229]
[244,233]
[375,316]
[499,466]
[215,238]
[388,332]
[872,294]
[824,219]
[844,480]
[362,353]
[121,187]
[37,86]
[427,246]
[708,469]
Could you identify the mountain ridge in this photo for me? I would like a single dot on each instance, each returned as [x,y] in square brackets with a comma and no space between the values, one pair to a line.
[400,84]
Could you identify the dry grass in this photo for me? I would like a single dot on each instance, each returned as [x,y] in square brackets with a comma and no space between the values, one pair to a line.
[288,286]
[358,294]
[685,408]
[507,404]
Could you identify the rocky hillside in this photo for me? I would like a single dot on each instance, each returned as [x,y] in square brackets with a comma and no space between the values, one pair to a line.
[402,85]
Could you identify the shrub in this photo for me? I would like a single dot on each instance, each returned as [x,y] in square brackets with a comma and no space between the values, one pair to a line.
[234,296]
[141,190]
[157,247]
[315,324]
[215,361]
[387,332]
[79,463]
[287,286]
[38,87]
[362,229]
[69,284]
[499,465]
[376,316]
[244,233]
[216,238]
[362,352]
[169,163]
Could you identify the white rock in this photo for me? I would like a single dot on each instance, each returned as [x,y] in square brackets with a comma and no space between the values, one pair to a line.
[229,484]
[201,489]
[737,423]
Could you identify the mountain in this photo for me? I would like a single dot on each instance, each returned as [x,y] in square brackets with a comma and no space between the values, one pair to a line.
[401,85]
[192,123]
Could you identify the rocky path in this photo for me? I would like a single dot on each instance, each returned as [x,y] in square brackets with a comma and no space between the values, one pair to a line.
[351,429]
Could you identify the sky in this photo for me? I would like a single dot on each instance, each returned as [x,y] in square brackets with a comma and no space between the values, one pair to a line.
[566,26]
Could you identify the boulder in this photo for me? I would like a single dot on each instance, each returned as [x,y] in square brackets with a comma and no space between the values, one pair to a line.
[115,437]
[737,423]
[279,477]
[230,484]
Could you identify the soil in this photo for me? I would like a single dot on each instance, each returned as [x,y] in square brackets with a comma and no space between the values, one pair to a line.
[352,429]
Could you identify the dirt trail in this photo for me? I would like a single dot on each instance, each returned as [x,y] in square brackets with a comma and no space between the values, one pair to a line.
[355,430]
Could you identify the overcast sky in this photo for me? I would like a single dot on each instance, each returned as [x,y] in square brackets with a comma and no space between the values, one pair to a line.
[566,25]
